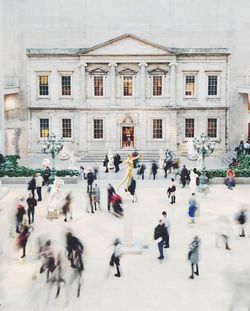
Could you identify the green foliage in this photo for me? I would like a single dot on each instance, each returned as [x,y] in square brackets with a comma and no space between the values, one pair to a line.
[9,167]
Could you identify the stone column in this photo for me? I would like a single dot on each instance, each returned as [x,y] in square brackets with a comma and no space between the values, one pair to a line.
[112,83]
[142,79]
[2,126]
[172,84]
[83,81]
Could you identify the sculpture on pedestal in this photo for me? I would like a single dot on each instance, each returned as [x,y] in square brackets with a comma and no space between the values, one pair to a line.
[54,197]
[162,158]
[111,159]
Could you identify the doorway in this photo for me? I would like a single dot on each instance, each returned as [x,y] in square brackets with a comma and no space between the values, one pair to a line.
[248,130]
[128,137]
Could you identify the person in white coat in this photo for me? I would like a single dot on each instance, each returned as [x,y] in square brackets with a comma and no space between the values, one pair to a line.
[39,184]
[224,231]
[192,184]
[115,258]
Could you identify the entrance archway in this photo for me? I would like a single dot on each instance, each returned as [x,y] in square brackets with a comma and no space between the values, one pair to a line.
[127,132]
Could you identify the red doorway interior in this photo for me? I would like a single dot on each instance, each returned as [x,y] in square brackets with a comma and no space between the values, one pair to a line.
[127,136]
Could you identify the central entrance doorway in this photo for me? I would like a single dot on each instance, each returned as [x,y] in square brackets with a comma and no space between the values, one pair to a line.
[128,138]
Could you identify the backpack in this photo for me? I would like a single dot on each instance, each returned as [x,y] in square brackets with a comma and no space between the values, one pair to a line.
[242,218]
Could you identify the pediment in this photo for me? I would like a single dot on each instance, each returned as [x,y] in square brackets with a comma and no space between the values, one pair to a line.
[97,71]
[128,45]
[157,72]
[127,71]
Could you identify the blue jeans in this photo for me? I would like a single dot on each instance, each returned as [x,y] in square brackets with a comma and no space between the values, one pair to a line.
[160,246]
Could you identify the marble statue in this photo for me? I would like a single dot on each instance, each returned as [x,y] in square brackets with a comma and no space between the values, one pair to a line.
[111,160]
[46,162]
[162,158]
[55,194]
[192,183]
[72,161]
[65,153]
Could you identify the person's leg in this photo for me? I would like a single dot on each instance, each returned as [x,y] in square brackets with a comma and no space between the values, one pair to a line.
[39,193]
[109,205]
[173,198]
[33,213]
[197,269]
[118,274]
[226,242]
[192,271]
[29,214]
[160,246]
[24,250]
[142,176]
[242,232]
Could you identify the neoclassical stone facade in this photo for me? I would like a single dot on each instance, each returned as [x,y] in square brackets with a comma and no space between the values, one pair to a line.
[128,93]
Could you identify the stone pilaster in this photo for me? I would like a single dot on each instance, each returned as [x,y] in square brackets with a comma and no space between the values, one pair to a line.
[172,83]
[83,81]
[142,84]
[112,83]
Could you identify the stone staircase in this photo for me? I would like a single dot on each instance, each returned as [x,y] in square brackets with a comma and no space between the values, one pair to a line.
[226,158]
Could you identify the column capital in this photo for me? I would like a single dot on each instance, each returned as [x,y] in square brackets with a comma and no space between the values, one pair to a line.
[173,64]
[143,64]
[83,64]
[112,64]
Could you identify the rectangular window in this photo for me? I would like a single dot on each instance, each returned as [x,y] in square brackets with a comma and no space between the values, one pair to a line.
[66,128]
[98,86]
[189,128]
[157,85]
[212,85]
[212,128]
[127,86]
[98,129]
[44,128]
[43,85]
[189,85]
[66,85]
[157,129]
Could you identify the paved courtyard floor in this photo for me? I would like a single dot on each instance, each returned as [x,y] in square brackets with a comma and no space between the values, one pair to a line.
[146,283]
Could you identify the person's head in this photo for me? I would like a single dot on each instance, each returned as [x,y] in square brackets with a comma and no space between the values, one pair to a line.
[160,222]
[48,243]
[196,238]
[164,214]
[184,166]
[172,179]
[90,170]
[117,241]
[193,194]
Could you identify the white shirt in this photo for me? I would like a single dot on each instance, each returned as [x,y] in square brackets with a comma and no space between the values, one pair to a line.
[166,222]
[117,250]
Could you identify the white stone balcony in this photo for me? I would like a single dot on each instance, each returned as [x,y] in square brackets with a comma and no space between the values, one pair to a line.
[11,84]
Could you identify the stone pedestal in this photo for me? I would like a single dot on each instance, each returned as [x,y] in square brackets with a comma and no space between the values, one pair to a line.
[130,245]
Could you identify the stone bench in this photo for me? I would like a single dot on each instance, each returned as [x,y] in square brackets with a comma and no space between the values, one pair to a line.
[25,180]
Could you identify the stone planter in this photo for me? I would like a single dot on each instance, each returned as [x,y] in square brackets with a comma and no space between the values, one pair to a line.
[238,180]
[25,180]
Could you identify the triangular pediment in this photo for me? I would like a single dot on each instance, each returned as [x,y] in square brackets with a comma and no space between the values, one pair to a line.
[128,45]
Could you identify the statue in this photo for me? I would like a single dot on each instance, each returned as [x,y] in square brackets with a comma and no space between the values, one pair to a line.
[111,159]
[65,152]
[130,161]
[54,197]
[162,159]
[192,183]
[72,161]
[46,162]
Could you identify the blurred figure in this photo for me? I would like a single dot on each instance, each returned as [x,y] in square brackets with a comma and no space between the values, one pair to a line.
[39,184]
[32,185]
[82,173]
[49,261]
[131,189]
[160,237]
[116,201]
[171,191]
[46,176]
[96,170]
[141,170]
[20,212]
[230,182]
[115,258]
[224,231]
[90,202]
[241,218]
[167,228]
[192,207]
[193,179]
[184,176]
[193,256]
[74,248]
[96,196]
[31,202]
[105,163]
[117,161]
[154,169]
[67,207]
[90,180]
[110,191]
[23,236]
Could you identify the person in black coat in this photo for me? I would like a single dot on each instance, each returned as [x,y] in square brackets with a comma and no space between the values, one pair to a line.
[131,188]
[31,202]
[154,169]
[46,176]
[184,176]
[110,191]
[90,180]
[160,237]
[105,163]
[73,244]
[117,161]
[32,185]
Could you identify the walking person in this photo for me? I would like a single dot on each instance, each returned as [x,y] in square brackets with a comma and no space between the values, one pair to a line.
[160,237]
[141,170]
[193,256]
[167,228]
[96,196]
[184,176]
[32,185]
[73,246]
[224,232]
[90,180]
[23,237]
[117,161]
[46,175]
[115,258]
[192,207]
[110,191]
[171,191]
[241,218]
[31,202]
[67,207]
[105,163]
[49,259]
[131,189]
[96,170]
[39,184]
[154,169]
[82,173]
[20,212]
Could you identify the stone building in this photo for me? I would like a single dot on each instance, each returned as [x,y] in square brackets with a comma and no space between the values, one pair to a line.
[128,93]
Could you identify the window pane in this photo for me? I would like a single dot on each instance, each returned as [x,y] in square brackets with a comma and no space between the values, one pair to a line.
[98,129]
[189,128]
[43,85]
[127,86]
[157,85]
[157,128]
[66,85]
[66,128]
[189,85]
[98,86]
[212,85]
[44,128]
[212,128]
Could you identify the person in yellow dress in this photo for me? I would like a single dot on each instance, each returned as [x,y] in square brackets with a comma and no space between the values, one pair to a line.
[130,161]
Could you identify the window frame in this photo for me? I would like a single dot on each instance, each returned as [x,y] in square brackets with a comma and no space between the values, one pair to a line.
[218,74]
[189,74]
[49,128]
[217,128]
[162,84]
[133,86]
[188,118]
[103,86]
[42,74]
[67,138]
[65,74]
[162,129]
[93,129]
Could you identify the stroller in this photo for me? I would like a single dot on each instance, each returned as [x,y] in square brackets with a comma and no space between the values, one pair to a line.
[116,201]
